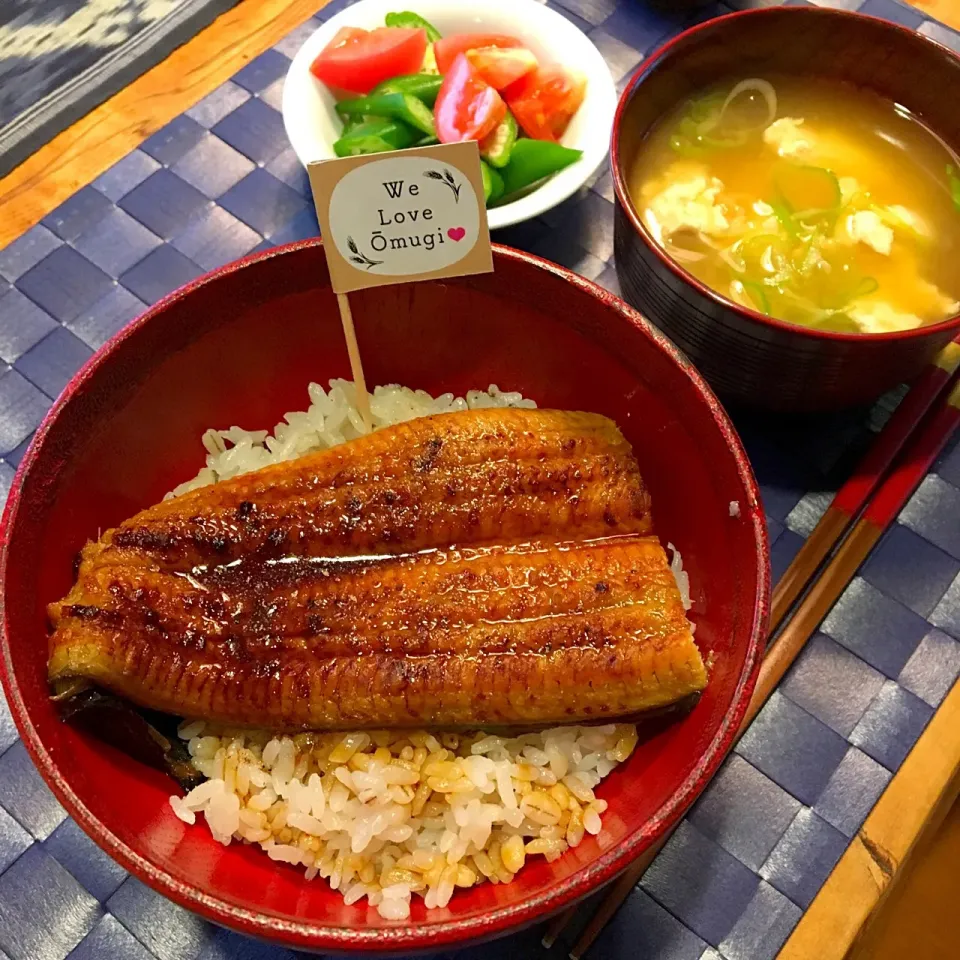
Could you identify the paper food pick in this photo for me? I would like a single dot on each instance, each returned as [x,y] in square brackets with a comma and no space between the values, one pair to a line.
[402,216]
[399,217]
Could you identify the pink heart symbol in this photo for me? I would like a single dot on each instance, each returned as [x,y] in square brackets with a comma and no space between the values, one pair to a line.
[456,233]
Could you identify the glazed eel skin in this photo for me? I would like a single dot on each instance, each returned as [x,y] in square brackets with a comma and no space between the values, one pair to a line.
[479,568]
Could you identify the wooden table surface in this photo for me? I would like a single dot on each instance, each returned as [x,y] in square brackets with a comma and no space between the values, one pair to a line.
[920,918]
[946,11]
[894,893]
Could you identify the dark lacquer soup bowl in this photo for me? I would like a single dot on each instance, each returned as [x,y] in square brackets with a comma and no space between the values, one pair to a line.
[239,346]
[747,357]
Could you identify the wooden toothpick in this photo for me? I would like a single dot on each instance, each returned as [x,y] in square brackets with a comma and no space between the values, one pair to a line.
[356,367]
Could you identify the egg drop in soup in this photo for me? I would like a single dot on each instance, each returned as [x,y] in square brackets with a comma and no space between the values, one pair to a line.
[811,201]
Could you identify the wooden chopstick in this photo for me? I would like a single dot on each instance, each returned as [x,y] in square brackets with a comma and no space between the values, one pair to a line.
[853,495]
[890,494]
[890,497]
[559,923]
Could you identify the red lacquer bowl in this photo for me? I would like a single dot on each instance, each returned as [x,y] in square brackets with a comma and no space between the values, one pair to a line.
[239,346]
[747,357]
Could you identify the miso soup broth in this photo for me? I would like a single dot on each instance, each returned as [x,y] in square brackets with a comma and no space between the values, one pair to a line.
[812,201]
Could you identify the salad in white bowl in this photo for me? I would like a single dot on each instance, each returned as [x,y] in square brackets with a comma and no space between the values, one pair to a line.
[511,74]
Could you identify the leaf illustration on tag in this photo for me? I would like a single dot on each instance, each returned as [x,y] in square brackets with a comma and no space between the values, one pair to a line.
[453,184]
[361,258]
[447,179]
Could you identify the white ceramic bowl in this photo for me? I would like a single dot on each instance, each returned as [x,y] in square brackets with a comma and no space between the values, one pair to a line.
[312,124]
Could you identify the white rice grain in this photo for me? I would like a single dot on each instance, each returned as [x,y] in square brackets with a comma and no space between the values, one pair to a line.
[331,418]
[680,575]
[182,810]
[340,820]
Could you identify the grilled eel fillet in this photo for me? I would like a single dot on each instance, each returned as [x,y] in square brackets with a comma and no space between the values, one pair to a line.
[481,568]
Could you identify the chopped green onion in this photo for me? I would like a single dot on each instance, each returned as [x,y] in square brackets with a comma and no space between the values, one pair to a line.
[683,146]
[953,181]
[782,212]
[838,322]
[752,250]
[753,85]
[724,143]
[839,298]
[699,130]
[705,108]
[807,188]
[757,295]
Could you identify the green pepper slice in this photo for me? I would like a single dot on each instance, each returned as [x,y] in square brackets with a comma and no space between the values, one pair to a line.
[492,184]
[358,120]
[497,147]
[532,160]
[396,106]
[351,123]
[375,136]
[423,86]
[410,20]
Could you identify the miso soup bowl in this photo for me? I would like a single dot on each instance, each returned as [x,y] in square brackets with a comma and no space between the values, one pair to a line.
[240,346]
[751,359]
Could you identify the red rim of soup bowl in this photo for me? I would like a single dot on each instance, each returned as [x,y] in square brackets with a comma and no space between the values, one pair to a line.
[389,936]
[626,202]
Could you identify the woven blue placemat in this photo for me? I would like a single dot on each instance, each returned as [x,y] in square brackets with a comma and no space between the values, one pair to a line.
[219,182]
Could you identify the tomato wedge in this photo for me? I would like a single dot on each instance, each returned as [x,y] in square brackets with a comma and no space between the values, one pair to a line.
[357,60]
[342,36]
[545,100]
[447,49]
[501,67]
[467,107]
